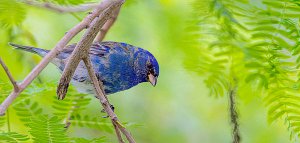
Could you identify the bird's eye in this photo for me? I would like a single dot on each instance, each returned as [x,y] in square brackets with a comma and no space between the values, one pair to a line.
[149,66]
[150,69]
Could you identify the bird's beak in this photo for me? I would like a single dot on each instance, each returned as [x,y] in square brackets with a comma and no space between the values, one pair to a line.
[152,79]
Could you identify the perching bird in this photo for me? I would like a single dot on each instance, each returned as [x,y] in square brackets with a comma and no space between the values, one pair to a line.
[119,66]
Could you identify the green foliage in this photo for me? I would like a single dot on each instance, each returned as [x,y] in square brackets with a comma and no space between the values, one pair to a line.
[73,104]
[96,140]
[273,53]
[98,123]
[12,13]
[2,121]
[12,137]
[70,2]
[27,109]
[220,39]
[45,129]
[4,90]
[50,129]
[255,45]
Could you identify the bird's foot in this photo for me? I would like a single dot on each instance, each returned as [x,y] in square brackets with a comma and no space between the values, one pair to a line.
[112,108]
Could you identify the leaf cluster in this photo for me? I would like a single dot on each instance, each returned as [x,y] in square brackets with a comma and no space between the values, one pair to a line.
[254,47]
[45,126]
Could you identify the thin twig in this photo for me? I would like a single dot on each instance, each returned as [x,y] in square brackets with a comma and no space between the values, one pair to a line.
[93,23]
[118,133]
[107,25]
[234,115]
[61,9]
[83,45]
[12,80]
[81,53]
[53,53]
[124,131]
[103,100]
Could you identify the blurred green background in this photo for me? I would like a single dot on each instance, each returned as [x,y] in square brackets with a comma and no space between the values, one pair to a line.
[178,110]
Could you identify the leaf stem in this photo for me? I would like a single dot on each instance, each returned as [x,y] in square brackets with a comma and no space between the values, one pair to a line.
[234,115]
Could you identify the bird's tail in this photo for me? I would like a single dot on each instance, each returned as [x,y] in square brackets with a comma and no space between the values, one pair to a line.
[41,52]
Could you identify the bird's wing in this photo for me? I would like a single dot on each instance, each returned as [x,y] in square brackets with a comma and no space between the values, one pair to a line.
[113,45]
[96,49]
[99,49]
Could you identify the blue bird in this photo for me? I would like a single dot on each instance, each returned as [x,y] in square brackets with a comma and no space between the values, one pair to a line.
[119,66]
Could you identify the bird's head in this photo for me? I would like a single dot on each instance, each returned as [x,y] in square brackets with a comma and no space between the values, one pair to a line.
[146,66]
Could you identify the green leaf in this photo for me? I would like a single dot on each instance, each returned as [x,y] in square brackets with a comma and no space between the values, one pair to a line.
[12,13]
[27,110]
[13,137]
[258,45]
[73,104]
[46,129]
[95,140]
[99,123]
[71,2]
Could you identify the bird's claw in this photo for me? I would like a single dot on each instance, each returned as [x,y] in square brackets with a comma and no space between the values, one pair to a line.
[112,108]
[105,116]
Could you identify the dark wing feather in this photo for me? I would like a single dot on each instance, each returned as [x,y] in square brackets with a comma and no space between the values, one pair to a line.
[97,49]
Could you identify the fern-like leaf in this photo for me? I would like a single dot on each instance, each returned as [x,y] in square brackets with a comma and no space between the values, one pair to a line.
[98,123]
[13,137]
[47,129]
[27,109]
[259,46]
[73,104]
[70,2]
[12,13]
[96,140]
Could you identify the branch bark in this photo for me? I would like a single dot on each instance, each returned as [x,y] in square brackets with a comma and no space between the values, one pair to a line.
[105,103]
[82,48]
[118,133]
[234,115]
[12,80]
[93,23]
[53,53]
[81,53]
[107,25]
[61,9]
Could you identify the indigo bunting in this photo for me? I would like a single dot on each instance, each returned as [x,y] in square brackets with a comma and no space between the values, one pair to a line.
[119,66]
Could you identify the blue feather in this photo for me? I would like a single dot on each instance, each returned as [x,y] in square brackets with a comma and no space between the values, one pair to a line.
[119,66]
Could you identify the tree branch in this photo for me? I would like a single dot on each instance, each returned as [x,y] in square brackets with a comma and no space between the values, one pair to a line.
[83,45]
[12,80]
[103,100]
[81,53]
[234,115]
[118,133]
[93,23]
[107,25]
[53,53]
[61,9]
